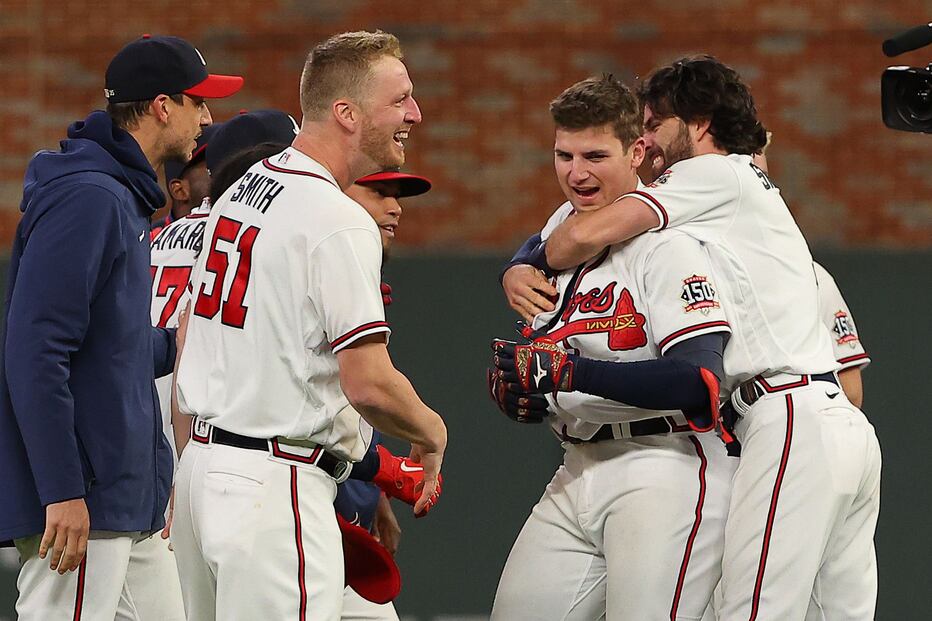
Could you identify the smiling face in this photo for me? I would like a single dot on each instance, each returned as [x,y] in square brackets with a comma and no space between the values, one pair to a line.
[389,113]
[593,167]
[668,142]
[380,199]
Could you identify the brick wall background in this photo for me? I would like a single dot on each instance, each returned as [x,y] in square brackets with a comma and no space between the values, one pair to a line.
[484,72]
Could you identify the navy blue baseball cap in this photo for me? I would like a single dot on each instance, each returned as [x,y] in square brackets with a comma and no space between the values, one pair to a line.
[408,185]
[248,130]
[174,169]
[152,66]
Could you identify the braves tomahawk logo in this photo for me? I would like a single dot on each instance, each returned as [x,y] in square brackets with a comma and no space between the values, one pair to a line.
[625,326]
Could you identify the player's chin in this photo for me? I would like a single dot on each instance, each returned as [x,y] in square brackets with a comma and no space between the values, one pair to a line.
[587,203]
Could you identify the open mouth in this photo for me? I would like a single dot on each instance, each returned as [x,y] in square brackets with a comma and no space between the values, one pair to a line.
[657,160]
[389,228]
[586,192]
[399,137]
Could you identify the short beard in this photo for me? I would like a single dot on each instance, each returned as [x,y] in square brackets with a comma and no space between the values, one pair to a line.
[680,149]
[374,146]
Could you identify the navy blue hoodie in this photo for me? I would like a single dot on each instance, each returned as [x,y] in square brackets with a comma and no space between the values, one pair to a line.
[79,414]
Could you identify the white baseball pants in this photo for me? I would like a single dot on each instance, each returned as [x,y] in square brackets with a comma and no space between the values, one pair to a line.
[358,608]
[799,542]
[256,537]
[123,577]
[627,529]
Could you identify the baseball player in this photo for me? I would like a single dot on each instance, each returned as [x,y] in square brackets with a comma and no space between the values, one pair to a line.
[363,502]
[632,524]
[286,343]
[187,182]
[86,469]
[803,509]
[176,246]
[836,316]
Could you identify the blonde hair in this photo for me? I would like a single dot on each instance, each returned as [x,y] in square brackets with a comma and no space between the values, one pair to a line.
[340,67]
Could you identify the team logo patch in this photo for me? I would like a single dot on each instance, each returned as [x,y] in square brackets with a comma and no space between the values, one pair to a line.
[844,330]
[699,295]
[664,176]
[625,326]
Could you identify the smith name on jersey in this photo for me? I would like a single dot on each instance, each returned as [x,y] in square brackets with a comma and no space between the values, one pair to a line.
[288,275]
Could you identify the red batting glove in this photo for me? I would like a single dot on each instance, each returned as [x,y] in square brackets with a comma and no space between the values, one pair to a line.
[403,479]
[386,293]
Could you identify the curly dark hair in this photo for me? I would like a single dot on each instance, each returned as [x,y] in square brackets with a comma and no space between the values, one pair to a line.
[599,101]
[702,87]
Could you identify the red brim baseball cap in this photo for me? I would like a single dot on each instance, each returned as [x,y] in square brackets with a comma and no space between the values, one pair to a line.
[409,185]
[163,65]
[216,86]
[370,568]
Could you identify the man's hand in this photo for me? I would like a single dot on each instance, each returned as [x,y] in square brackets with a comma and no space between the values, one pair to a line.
[385,526]
[406,478]
[528,291]
[520,407]
[67,526]
[539,367]
[430,491]
[167,531]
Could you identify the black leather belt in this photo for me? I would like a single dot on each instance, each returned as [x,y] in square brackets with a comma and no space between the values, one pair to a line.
[753,389]
[329,463]
[647,427]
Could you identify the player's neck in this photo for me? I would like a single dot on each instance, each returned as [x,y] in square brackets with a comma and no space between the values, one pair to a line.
[326,152]
[707,146]
[151,141]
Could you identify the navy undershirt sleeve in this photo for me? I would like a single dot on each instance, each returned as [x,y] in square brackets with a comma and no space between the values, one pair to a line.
[531,252]
[672,382]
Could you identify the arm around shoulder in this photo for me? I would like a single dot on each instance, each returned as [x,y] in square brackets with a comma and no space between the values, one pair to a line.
[584,235]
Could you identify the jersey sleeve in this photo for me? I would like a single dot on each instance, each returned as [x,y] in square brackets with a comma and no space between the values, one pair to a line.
[836,317]
[563,212]
[679,286]
[697,195]
[344,286]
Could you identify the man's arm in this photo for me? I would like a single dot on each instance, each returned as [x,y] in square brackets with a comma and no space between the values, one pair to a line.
[164,351]
[387,400]
[385,397]
[583,236]
[850,379]
[68,256]
[686,378]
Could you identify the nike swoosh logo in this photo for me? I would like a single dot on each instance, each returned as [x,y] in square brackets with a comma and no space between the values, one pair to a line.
[142,235]
[831,395]
[541,371]
[406,468]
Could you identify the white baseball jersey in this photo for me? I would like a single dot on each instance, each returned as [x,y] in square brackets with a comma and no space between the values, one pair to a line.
[761,261]
[836,316]
[289,275]
[630,528]
[174,251]
[633,302]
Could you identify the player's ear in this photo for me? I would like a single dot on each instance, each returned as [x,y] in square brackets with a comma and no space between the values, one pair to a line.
[639,151]
[699,129]
[347,114]
[179,190]
[159,108]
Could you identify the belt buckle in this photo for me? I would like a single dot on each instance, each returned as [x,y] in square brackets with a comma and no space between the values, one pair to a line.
[201,431]
[342,471]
